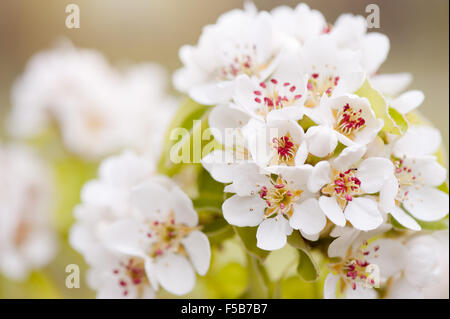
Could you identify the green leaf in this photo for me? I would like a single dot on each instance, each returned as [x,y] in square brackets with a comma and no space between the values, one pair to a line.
[247,236]
[185,118]
[380,107]
[399,119]
[306,268]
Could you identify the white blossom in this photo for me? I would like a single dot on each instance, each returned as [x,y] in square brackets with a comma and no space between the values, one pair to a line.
[27,239]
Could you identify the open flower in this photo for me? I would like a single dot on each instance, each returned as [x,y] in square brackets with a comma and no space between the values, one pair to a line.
[346,186]
[116,276]
[347,119]
[350,32]
[417,174]
[277,143]
[241,42]
[279,97]
[364,266]
[162,232]
[330,72]
[422,268]
[276,205]
[27,240]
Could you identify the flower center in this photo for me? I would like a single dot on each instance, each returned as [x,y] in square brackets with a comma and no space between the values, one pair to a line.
[279,198]
[286,150]
[131,273]
[167,235]
[356,269]
[318,85]
[275,95]
[405,178]
[344,187]
[349,121]
[241,61]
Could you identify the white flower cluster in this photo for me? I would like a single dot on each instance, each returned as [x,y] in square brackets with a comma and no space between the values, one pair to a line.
[289,81]
[138,231]
[98,109]
[27,240]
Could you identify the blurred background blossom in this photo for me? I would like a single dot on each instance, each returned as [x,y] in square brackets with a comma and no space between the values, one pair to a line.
[132,36]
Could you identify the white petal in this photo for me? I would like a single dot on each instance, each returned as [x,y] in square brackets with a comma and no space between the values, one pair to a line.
[308,217]
[426,169]
[360,292]
[404,219]
[339,247]
[426,203]
[310,237]
[151,199]
[375,47]
[182,207]
[390,256]
[243,211]
[220,165]
[423,261]
[391,84]
[408,101]
[418,141]
[373,173]
[363,213]
[124,236]
[272,232]
[175,273]
[388,194]
[197,247]
[223,121]
[402,289]
[331,208]
[330,286]
[320,176]
[321,140]
[212,93]
[349,156]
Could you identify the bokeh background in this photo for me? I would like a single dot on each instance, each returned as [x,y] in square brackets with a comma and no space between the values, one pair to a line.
[154,30]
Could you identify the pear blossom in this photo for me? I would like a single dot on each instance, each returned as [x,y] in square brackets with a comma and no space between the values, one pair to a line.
[98,109]
[350,32]
[163,232]
[417,174]
[364,268]
[276,205]
[116,276]
[347,186]
[301,23]
[348,119]
[241,42]
[277,143]
[27,238]
[330,72]
[138,231]
[281,96]
[422,268]
[106,199]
